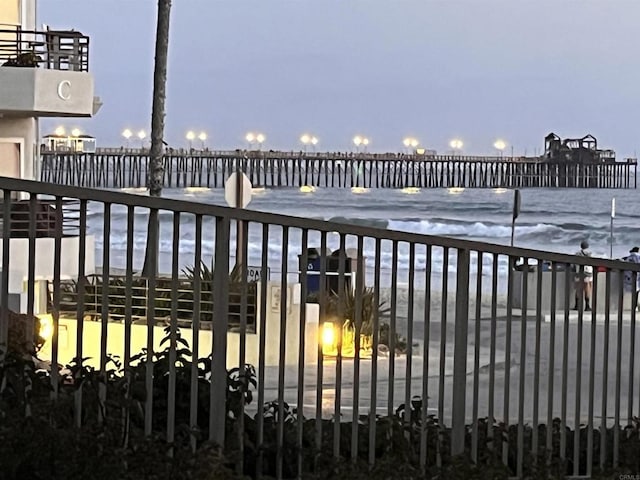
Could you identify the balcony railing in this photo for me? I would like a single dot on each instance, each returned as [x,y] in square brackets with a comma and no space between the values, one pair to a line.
[50,215]
[51,49]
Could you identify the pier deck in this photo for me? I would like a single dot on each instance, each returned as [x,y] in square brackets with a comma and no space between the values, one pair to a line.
[127,168]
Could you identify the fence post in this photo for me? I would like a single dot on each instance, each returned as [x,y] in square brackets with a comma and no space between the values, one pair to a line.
[461,327]
[218,411]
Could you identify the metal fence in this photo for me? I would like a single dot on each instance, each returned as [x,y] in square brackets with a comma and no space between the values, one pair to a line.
[443,335]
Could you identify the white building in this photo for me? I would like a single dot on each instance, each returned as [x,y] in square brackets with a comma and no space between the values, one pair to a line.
[43,73]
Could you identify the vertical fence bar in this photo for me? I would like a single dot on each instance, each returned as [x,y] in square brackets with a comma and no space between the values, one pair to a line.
[104,310]
[242,353]
[536,363]
[460,353]
[358,320]
[551,371]
[392,327]
[578,388]
[443,347]
[374,354]
[523,363]
[80,308]
[507,357]
[262,339]
[57,260]
[217,395]
[337,414]
[173,333]
[411,287]
[282,352]
[195,343]
[616,418]
[476,359]
[565,357]
[592,365]
[152,242]
[304,261]
[492,346]
[424,427]
[128,313]
[605,371]
[31,280]
[322,306]
[632,348]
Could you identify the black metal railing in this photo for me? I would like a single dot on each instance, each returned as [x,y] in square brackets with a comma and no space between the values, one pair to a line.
[51,49]
[48,216]
[466,348]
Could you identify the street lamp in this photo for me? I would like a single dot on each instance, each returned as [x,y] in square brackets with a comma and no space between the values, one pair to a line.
[190,137]
[142,135]
[60,131]
[126,133]
[410,142]
[260,138]
[360,140]
[307,139]
[456,144]
[500,145]
[75,132]
[202,137]
[250,138]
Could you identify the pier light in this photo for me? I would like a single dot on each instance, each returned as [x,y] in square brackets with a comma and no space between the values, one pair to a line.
[250,138]
[314,141]
[75,132]
[357,140]
[127,134]
[500,145]
[305,139]
[456,144]
[365,141]
[60,131]
[202,136]
[410,142]
[190,137]
[260,138]
[142,135]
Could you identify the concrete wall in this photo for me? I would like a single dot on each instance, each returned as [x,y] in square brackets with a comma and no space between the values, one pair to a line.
[42,92]
[10,12]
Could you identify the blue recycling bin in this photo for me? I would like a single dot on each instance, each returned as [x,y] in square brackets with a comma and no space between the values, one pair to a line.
[332,272]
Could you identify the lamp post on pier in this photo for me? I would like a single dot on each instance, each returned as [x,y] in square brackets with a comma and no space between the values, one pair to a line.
[410,144]
[500,145]
[307,140]
[202,137]
[142,135]
[190,137]
[456,144]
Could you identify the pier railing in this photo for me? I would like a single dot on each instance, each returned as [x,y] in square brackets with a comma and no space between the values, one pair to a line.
[440,346]
[127,168]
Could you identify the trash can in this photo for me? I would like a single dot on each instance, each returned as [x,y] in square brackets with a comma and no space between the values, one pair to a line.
[332,272]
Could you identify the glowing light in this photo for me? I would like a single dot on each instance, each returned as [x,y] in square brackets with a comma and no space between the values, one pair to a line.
[455,190]
[260,138]
[357,140]
[126,133]
[307,189]
[314,140]
[305,139]
[329,338]
[411,190]
[75,132]
[410,142]
[500,190]
[46,327]
[202,136]
[60,131]
[142,134]
[190,135]
[500,145]
[456,144]
[250,137]
[365,141]
[358,190]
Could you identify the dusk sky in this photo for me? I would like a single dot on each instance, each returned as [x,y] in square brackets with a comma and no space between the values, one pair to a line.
[477,70]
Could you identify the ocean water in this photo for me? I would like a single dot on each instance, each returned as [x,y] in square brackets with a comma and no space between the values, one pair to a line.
[550,220]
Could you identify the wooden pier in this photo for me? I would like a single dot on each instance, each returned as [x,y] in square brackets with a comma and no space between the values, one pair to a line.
[127,168]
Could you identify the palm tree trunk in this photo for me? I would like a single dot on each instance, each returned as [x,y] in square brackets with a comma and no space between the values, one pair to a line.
[156,163]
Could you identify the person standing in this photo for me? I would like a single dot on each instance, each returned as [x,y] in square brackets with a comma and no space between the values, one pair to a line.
[583,278]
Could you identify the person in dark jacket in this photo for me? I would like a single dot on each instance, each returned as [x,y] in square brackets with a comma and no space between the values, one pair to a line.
[583,278]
